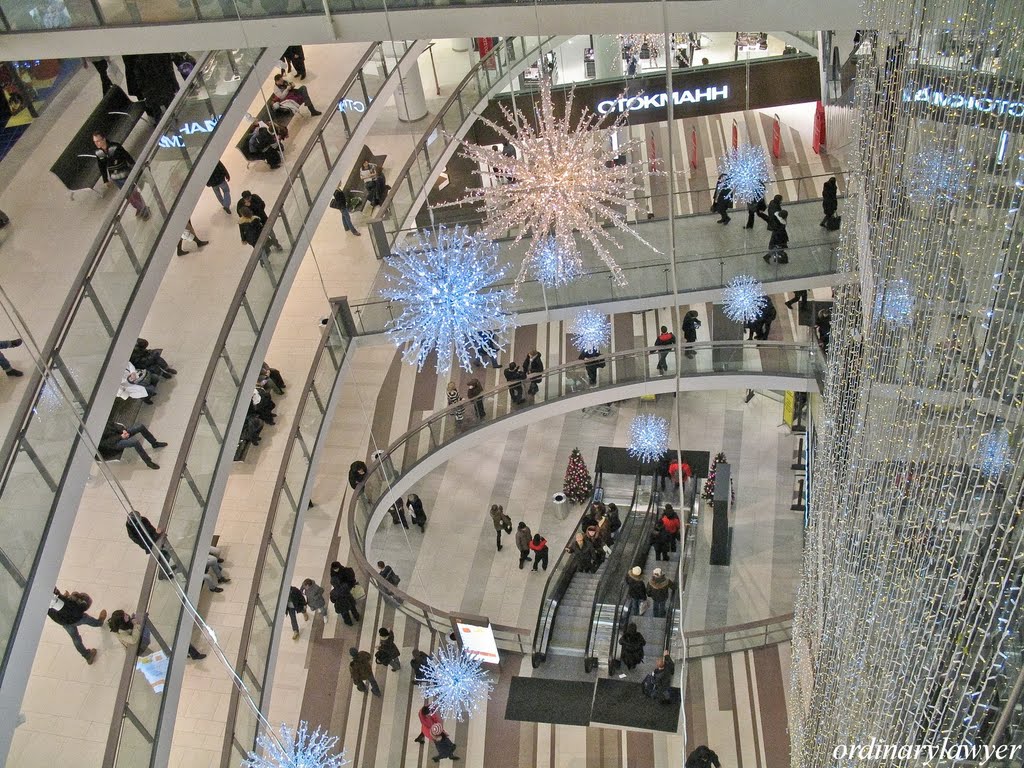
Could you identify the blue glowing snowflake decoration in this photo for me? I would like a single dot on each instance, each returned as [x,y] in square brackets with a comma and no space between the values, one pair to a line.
[554,267]
[934,173]
[648,437]
[747,173]
[446,286]
[743,299]
[894,302]
[590,330]
[994,452]
[455,683]
[296,749]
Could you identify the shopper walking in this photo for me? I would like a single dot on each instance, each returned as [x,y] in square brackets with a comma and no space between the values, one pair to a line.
[340,202]
[636,590]
[632,643]
[115,166]
[539,548]
[296,605]
[419,515]
[594,362]
[798,297]
[691,323]
[779,241]
[443,743]
[829,201]
[356,473]
[69,609]
[533,365]
[454,398]
[475,391]
[671,523]
[665,339]
[219,184]
[702,757]
[314,596]
[722,201]
[343,601]
[523,538]
[387,651]
[428,720]
[361,669]
[754,209]
[501,522]
[659,588]
[771,216]
[514,376]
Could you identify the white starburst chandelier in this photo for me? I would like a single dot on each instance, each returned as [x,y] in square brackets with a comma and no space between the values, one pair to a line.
[563,182]
[747,171]
[455,683]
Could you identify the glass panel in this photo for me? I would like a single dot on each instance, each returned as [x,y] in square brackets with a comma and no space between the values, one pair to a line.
[134,747]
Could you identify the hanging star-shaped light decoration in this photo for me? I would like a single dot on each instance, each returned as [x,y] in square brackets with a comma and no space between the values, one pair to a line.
[296,749]
[446,285]
[553,268]
[743,299]
[747,173]
[648,437]
[563,181]
[590,330]
[455,684]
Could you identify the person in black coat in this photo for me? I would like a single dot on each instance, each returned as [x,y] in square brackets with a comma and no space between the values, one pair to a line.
[342,574]
[754,209]
[829,200]
[151,78]
[295,58]
[219,184]
[702,757]
[340,202]
[595,362]
[661,540]
[632,643]
[723,200]
[778,242]
[343,602]
[387,651]
[419,516]
[513,375]
[771,216]
[765,320]
[296,604]
[356,473]
[691,323]
[263,145]
[533,366]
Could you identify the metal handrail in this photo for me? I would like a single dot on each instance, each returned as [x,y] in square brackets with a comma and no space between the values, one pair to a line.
[558,581]
[711,642]
[402,599]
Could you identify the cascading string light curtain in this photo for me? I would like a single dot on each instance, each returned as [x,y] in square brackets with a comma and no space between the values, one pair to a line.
[907,625]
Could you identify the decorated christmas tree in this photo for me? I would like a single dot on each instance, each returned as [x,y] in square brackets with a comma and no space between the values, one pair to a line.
[709,485]
[578,485]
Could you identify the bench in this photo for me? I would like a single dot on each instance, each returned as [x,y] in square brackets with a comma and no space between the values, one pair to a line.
[124,412]
[116,116]
[279,119]
[355,184]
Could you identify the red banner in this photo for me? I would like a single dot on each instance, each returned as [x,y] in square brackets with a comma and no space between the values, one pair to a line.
[819,128]
[693,147]
[776,138]
[735,135]
[484,45]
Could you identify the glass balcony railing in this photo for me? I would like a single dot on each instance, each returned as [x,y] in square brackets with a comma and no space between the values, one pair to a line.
[292,492]
[142,726]
[635,366]
[45,433]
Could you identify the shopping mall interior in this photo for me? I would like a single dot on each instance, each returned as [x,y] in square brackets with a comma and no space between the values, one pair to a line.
[601,393]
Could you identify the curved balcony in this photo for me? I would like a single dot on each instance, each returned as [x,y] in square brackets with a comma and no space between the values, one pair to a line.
[143,722]
[714,365]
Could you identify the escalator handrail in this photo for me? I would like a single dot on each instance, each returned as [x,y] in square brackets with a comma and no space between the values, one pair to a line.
[555,586]
[640,553]
[605,583]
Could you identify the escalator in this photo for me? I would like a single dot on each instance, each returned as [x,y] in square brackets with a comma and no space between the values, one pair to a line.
[565,613]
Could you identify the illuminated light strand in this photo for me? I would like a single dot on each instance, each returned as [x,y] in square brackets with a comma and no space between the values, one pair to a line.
[446,286]
[455,683]
[648,437]
[553,267]
[590,330]
[743,299]
[563,182]
[296,749]
[748,173]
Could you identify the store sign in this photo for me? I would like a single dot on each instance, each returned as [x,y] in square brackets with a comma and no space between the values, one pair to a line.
[478,641]
[985,104]
[351,105]
[659,100]
[170,140]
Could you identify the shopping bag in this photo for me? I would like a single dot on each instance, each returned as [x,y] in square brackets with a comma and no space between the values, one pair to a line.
[358,593]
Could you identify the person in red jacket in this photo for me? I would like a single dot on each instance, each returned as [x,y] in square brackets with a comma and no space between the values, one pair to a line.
[668,340]
[671,523]
[427,721]
[539,547]
[679,472]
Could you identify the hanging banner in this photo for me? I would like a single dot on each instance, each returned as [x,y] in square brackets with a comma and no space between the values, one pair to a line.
[735,136]
[789,409]
[484,45]
[776,138]
[693,147]
[819,128]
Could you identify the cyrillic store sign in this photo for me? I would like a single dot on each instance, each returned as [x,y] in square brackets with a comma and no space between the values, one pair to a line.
[178,139]
[989,101]
[697,91]
[970,102]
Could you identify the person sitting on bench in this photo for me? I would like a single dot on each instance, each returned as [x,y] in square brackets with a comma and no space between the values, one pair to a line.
[115,166]
[288,98]
[263,145]
[145,358]
[118,437]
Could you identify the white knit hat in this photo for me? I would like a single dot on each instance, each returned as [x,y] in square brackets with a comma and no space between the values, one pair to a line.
[635,570]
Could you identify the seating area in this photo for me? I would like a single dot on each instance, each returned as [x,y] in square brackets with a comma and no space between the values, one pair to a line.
[261,409]
[116,116]
[354,185]
[277,119]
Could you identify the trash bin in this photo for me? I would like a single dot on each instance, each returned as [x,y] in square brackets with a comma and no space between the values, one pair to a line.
[382,458]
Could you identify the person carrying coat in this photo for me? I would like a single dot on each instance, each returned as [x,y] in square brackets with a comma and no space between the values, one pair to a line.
[361,668]
[419,516]
[523,537]
[539,548]
[778,242]
[533,366]
[513,375]
[636,590]
[632,643]
[659,588]
[829,200]
[343,601]
[501,523]
[314,595]
[723,199]
[771,216]
[475,391]
[387,651]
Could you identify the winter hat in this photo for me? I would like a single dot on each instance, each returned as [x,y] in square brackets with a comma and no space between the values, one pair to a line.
[353,652]
[436,730]
[635,570]
[658,572]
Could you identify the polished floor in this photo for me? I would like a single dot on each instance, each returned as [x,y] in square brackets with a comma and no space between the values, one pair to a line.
[68,704]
